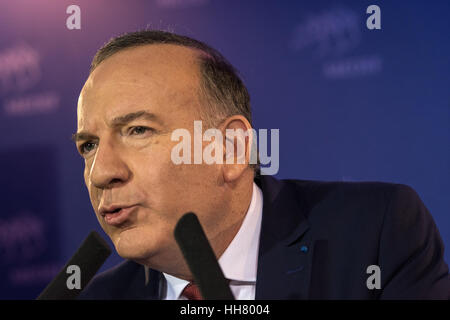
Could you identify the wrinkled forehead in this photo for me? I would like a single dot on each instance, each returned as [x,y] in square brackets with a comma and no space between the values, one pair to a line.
[162,76]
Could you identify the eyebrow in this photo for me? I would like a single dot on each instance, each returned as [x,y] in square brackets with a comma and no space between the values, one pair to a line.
[118,122]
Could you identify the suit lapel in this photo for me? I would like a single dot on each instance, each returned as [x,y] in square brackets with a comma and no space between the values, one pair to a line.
[153,287]
[284,259]
[144,285]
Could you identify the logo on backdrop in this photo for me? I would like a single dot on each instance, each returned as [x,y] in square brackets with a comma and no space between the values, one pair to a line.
[23,242]
[19,68]
[20,72]
[333,36]
[22,238]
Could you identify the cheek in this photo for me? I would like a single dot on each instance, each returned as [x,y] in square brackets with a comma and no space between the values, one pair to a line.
[169,189]
[166,186]
[93,192]
[195,185]
[86,177]
[151,177]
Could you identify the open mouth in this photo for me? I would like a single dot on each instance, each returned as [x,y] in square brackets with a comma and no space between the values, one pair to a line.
[112,213]
[119,215]
[105,212]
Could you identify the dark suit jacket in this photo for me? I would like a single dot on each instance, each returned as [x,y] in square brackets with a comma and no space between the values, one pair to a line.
[317,240]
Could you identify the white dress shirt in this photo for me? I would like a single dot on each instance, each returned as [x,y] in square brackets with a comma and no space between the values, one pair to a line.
[239,262]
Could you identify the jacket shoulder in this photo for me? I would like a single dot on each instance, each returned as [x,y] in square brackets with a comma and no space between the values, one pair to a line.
[393,219]
[373,194]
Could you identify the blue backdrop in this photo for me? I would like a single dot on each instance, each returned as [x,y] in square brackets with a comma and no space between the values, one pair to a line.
[352,104]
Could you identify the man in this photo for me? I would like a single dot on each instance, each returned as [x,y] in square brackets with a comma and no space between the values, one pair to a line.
[273,239]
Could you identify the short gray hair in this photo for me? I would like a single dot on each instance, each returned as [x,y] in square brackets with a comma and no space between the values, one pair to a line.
[221,87]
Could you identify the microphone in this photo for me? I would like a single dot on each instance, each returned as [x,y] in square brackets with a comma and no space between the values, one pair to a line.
[84,264]
[201,259]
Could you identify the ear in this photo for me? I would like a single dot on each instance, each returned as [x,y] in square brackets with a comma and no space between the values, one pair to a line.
[238,138]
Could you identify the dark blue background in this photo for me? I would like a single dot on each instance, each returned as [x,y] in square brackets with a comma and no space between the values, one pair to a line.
[351,104]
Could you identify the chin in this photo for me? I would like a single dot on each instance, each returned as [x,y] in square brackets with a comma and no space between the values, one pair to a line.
[134,244]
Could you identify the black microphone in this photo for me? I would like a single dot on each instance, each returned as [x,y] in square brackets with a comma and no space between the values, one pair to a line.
[86,261]
[201,259]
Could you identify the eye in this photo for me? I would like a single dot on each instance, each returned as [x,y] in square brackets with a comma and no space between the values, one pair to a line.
[139,130]
[87,147]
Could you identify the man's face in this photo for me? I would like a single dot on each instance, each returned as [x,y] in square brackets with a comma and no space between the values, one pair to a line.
[128,108]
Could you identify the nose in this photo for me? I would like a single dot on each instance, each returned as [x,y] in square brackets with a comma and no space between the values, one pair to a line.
[108,169]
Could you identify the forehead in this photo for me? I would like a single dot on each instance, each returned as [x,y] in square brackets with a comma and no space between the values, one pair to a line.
[164,78]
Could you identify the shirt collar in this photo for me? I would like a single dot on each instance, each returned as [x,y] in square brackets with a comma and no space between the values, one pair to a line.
[239,261]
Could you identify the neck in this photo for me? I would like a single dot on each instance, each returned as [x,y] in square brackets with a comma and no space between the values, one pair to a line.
[219,239]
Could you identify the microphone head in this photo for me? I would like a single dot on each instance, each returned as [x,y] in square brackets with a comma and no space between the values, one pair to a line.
[201,259]
[86,261]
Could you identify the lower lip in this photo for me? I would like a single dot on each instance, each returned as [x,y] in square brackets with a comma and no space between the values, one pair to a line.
[117,218]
